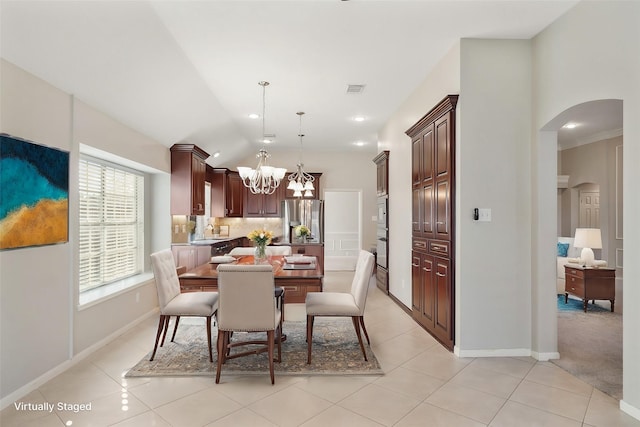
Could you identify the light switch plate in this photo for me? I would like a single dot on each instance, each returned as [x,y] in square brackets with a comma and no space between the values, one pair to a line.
[484,215]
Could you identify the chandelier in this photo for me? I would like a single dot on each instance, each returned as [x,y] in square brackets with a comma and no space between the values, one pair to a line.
[264,179]
[300,180]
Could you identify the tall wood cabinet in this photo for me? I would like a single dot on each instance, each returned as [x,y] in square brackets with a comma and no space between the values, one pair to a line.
[433,214]
[188,171]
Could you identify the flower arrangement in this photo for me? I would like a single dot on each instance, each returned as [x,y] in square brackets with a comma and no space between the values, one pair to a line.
[261,237]
[302,231]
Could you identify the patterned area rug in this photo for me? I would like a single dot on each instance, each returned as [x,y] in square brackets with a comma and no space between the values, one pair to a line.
[335,352]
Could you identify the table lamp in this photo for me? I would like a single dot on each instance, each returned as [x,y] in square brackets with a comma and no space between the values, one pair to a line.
[588,239]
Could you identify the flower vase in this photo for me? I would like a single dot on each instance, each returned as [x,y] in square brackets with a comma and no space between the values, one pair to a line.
[260,255]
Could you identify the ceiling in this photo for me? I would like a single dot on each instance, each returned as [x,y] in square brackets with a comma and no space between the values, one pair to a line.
[188,71]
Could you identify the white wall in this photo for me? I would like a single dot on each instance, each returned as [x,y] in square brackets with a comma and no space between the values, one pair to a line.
[443,80]
[591,53]
[41,328]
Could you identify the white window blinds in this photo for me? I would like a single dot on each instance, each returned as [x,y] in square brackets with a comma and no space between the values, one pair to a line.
[111,223]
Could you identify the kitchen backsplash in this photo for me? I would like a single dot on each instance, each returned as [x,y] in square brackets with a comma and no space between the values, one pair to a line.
[186,228]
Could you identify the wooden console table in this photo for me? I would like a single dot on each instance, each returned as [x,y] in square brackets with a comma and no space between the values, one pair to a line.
[590,283]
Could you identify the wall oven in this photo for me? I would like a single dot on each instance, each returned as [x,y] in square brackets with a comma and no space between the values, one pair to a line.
[382,233]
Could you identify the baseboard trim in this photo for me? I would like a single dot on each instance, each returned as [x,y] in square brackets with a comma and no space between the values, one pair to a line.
[400,304]
[543,357]
[630,410]
[54,372]
[502,352]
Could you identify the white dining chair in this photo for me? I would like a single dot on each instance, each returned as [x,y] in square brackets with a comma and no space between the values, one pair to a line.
[247,304]
[174,303]
[343,304]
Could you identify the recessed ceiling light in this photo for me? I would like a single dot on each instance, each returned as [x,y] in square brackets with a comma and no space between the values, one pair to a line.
[360,143]
[254,116]
[570,125]
[216,154]
[359,119]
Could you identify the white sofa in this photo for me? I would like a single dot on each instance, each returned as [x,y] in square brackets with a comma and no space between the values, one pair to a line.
[572,252]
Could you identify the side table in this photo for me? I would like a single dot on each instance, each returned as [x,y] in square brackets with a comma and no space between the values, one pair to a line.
[589,283]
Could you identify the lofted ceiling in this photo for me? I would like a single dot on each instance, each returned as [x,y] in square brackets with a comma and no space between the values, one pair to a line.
[188,71]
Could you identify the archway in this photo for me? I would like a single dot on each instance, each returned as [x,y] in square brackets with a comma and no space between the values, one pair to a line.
[601,125]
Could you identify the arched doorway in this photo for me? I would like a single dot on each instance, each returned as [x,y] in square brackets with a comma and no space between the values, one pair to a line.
[588,140]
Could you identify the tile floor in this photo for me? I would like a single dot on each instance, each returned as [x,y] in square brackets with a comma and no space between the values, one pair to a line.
[423,385]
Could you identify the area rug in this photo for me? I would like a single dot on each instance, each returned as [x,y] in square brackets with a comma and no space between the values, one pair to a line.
[590,346]
[577,305]
[335,352]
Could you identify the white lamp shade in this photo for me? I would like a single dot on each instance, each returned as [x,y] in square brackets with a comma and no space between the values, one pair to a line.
[279,173]
[588,238]
[308,193]
[297,193]
[245,172]
[308,185]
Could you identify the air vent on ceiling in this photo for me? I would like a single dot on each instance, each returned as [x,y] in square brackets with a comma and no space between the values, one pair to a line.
[355,88]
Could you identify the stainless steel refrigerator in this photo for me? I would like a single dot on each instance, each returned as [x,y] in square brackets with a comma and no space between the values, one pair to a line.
[306,212]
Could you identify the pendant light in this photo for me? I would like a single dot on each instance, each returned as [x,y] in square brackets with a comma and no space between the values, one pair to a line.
[300,181]
[264,179]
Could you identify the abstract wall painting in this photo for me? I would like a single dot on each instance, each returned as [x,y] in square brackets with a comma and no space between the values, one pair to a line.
[34,194]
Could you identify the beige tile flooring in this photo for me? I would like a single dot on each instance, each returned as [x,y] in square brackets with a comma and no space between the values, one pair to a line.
[423,385]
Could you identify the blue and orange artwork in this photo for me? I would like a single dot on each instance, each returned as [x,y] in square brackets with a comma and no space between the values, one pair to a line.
[34,194]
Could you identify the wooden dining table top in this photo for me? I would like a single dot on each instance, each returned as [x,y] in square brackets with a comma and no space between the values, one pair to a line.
[209,270]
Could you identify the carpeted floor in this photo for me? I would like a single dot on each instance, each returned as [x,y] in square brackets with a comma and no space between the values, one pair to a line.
[335,352]
[590,345]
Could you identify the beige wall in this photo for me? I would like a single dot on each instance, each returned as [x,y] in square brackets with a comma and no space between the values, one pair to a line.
[41,327]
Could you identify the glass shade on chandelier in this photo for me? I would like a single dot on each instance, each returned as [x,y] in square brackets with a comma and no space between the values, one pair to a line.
[300,181]
[264,179]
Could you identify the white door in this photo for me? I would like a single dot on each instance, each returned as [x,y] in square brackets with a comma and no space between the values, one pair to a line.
[589,209]
[342,229]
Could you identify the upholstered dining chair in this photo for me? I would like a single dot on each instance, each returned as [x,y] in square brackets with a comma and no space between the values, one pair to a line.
[271,250]
[247,304]
[343,304]
[174,303]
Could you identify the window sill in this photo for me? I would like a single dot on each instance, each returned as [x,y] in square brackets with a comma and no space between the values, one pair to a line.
[96,296]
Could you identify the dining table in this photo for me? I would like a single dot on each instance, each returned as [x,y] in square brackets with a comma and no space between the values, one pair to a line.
[296,276]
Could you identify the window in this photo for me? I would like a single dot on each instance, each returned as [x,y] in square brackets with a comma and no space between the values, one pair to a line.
[111,236]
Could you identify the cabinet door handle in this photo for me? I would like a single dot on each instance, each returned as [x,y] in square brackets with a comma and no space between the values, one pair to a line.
[573,289]
[415,265]
[426,269]
[439,274]
[439,222]
[573,279]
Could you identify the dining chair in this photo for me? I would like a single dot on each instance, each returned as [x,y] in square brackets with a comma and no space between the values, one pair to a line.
[247,304]
[343,304]
[174,303]
[271,250]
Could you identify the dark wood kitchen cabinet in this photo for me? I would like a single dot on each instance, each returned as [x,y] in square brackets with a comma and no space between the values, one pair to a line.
[188,171]
[433,214]
[227,194]
[264,205]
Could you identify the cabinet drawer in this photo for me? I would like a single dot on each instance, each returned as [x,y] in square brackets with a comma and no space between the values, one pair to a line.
[419,245]
[440,248]
[574,285]
[576,272]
